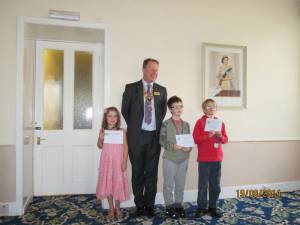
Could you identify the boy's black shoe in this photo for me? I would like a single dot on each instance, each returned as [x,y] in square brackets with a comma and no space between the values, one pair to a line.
[180,212]
[170,212]
[215,213]
[200,212]
[140,211]
[149,211]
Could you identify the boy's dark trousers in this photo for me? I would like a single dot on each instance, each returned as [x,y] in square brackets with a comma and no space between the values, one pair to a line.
[209,177]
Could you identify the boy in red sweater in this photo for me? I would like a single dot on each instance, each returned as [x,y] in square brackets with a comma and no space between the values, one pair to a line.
[210,156]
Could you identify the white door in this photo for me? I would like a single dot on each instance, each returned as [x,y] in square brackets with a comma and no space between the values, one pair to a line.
[68,103]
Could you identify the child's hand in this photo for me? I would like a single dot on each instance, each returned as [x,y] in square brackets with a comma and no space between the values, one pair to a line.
[211,133]
[177,147]
[124,166]
[186,149]
[101,134]
[100,139]
[218,134]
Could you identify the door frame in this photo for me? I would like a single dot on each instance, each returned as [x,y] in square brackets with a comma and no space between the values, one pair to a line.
[21,23]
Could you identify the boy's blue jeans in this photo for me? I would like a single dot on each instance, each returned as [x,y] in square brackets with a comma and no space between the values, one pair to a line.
[209,178]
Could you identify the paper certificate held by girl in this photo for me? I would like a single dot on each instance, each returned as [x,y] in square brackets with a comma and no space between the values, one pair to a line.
[113,137]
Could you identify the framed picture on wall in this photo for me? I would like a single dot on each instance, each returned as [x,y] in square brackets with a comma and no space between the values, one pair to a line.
[225,74]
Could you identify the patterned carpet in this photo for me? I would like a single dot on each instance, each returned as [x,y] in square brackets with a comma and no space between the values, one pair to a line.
[84,209]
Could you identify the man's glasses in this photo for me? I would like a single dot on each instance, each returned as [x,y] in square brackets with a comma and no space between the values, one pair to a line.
[210,106]
[177,107]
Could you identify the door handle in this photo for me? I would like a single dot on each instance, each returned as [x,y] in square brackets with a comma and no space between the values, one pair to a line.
[39,139]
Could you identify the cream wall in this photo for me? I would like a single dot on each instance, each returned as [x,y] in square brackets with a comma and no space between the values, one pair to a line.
[7,173]
[173,31]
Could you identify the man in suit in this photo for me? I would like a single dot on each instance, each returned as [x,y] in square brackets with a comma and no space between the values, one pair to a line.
[144,107]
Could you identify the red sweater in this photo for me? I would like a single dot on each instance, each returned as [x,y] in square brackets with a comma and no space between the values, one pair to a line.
[206,150]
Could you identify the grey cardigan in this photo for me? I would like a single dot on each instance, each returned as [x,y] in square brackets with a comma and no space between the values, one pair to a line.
[167,139]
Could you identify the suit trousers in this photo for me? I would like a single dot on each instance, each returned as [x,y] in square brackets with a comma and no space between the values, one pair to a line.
[144,158]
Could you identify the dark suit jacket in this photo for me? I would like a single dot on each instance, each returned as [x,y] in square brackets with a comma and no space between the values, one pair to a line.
[133,109]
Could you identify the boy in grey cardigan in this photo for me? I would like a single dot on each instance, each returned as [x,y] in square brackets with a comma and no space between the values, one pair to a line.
[175,159]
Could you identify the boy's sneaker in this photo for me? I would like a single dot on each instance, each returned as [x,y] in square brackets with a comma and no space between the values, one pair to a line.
[170,212]
[180,212]
[215,213]
[200,212]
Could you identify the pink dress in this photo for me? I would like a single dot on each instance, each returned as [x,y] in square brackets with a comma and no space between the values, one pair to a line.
[111,180]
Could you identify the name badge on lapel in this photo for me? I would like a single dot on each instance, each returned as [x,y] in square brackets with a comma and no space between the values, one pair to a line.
[156,93]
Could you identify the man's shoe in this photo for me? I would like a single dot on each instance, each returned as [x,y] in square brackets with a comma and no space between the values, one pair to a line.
[180,212]
[170,212]
[150,211]
[140,211]
[215,213]
[200,212]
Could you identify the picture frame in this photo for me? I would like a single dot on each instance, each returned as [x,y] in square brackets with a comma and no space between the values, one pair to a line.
[224,69]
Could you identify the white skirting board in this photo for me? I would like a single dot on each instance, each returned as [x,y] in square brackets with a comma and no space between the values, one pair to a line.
[9,208]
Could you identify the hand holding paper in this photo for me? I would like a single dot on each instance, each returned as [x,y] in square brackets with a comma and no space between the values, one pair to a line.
[218,134]
[178,147]
[185,140]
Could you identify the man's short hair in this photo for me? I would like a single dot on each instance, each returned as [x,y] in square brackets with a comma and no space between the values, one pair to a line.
[146,61]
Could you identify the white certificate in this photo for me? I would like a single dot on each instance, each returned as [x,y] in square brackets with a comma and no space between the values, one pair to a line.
[113,137]
[185,140]
[213,125]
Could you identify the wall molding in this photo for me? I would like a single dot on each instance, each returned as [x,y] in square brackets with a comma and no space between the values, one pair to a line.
[231,140]
[280,139]
[7,147]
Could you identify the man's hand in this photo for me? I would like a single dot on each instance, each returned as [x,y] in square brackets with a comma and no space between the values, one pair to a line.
[177,147]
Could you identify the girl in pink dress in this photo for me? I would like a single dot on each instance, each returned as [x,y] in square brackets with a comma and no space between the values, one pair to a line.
[112,180]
